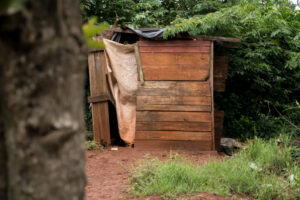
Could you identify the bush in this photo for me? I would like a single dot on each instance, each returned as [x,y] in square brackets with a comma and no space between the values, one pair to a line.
[91,145]
[262,171]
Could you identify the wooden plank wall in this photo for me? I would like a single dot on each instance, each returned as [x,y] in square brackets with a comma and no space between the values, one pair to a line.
[174,105]
[220,73]
[99,97]
[220,76]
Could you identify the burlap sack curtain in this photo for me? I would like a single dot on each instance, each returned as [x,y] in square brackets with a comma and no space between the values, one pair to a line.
[122,76]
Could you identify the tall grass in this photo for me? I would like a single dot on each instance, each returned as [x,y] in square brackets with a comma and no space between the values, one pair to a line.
[262,171]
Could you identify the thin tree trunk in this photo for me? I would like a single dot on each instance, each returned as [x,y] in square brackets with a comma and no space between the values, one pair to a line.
[42,60]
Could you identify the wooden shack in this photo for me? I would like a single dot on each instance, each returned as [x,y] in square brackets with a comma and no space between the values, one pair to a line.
[175,98]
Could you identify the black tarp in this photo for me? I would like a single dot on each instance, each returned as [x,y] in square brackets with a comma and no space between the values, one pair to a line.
[146,33]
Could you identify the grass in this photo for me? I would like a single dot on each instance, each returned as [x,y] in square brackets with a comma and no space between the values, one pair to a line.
[262,171]
[92,145]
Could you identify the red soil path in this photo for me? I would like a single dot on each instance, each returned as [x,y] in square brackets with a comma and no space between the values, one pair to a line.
[108,178]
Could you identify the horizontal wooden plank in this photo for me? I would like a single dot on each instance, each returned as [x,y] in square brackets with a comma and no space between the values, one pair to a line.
[175,58]
[173,135]
[173,100]
[199,145]
[153,116]
[98,98]
[175,72]
[174,88]
[182,49]
[173,126]
[214,38]
[174,108]
[174,43]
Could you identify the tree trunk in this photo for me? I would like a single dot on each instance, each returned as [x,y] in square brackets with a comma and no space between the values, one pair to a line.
[42,63]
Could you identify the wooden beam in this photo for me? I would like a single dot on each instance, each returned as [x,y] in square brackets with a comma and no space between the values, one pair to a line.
[99,98]
[96,50]
[119,30]
[215,38]
[211,81]
[139,63]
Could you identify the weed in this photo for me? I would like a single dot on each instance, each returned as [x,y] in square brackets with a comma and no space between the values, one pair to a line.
[264,171]
[92,145]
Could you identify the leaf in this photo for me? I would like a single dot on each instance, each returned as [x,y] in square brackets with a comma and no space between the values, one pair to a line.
[90,29]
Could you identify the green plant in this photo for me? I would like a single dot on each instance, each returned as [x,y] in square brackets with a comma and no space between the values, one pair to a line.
[90,29]
[92,145]
[262,171]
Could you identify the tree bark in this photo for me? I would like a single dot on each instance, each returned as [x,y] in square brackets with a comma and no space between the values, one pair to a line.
[42,63]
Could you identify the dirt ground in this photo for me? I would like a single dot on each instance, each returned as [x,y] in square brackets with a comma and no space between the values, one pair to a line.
[108,178]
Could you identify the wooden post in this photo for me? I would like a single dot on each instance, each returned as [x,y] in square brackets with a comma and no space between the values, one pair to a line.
[99,97]
[211,83]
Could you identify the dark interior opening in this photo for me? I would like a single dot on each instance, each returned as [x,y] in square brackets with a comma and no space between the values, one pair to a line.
[114,129]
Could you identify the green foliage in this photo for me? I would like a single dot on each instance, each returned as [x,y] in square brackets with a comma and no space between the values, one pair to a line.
[148,13]
[264,78]
[90,29]
[10,5]
[262,171]
[92,145]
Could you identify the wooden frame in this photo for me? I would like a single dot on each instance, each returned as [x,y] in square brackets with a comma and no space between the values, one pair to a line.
[99,97]
[162,136]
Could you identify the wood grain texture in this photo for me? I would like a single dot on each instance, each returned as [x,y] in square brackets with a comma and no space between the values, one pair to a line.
[98,88]
[175,59]
[175,72]
[211,84]
[97,73]
[173,100]
[171,49]
[220,73]
[174,108]
[174,88]
[173,126]
[219,84]
[172,135]
[101,129]
[139,64]
[99,98]
[154,116]
[175,43]
[173,145]
[221,66]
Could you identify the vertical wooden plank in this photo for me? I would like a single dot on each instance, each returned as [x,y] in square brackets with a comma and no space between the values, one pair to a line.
[101,123]
[97,73]
[139,63]
[211,81]
[98,87]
